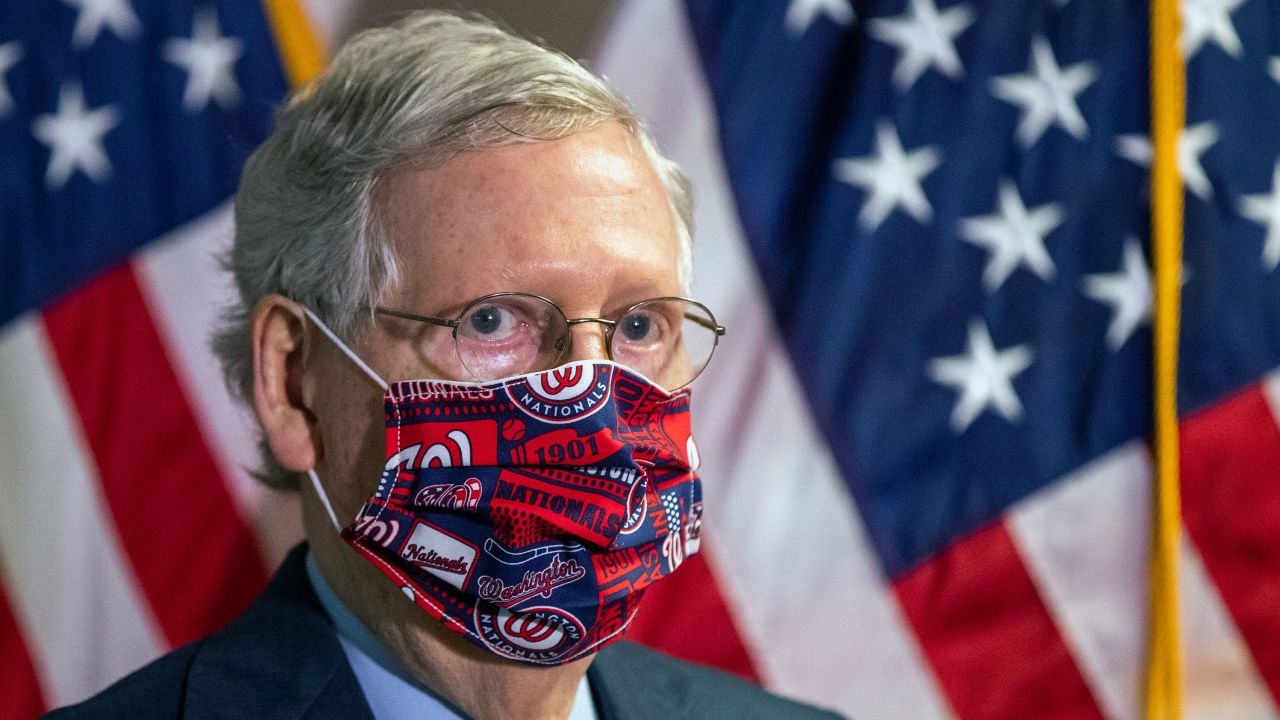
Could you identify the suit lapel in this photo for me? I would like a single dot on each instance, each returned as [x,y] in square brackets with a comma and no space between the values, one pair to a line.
[622,692]
[280,659]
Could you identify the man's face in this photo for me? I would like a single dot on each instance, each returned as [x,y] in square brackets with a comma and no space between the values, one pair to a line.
[584,221]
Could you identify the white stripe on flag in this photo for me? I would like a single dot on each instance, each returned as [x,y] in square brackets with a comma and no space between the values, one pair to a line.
[1222,681]
[1271,391]
[1084,540]
[793,557]
[1084,543]
[186,290]
[74,594]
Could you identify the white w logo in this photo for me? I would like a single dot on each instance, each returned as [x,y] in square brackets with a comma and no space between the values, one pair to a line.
[562,383]
[457,454]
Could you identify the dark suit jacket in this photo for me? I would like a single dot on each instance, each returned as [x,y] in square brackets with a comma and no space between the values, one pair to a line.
[281,659]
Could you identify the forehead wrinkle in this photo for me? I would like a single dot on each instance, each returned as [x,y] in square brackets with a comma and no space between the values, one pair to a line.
[604,211]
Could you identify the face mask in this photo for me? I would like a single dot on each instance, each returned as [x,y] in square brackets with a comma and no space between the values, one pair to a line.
[529,514]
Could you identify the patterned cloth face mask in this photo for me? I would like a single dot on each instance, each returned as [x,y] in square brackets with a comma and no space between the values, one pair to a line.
[529,514]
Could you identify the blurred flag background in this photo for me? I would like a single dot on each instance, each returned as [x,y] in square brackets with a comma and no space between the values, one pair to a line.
[926,225]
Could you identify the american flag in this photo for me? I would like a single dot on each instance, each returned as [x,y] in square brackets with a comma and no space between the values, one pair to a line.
[925,224]
[128,524]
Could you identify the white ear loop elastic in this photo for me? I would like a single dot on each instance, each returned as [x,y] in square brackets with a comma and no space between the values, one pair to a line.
[324,498]
[346,350]
[315,479]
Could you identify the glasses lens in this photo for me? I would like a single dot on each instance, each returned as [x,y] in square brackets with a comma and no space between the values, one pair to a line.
[509,334]
[667,340]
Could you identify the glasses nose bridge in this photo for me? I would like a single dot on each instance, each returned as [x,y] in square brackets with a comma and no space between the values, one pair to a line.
[609,324]
[606,343]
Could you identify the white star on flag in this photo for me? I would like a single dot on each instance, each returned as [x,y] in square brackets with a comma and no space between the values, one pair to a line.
[1193,141]
[74,136]
[1046,94]
[209,60]
[1273,68]
[1127,291]
[10,54]
[1014,236]
[925,37]
[98,14]
[891,176]
[983,376]
[1204,20]
[802,13]
[1264,209]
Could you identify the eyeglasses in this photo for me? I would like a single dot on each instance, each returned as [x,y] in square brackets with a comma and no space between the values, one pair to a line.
[667,339]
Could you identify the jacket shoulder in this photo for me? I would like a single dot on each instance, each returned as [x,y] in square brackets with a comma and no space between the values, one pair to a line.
[154,691]
[634,681]
[278,659]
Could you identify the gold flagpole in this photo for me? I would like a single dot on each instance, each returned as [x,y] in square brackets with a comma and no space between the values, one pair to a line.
[1163,692]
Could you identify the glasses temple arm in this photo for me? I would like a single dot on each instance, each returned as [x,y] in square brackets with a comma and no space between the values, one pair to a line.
[414,316]
[708,324]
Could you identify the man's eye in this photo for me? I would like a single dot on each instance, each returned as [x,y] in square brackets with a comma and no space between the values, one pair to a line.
[490,322]
[636,328]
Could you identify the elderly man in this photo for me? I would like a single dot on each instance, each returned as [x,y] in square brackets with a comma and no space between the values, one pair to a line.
[462,329]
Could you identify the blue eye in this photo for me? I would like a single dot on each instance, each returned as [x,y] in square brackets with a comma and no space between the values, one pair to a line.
[486,320]
[635,328]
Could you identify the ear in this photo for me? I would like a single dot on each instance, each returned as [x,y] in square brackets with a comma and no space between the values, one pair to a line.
[278,354]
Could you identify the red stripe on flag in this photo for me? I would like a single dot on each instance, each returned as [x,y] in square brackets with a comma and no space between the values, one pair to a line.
[194,558]
[993,646]
[1231,509]
[686,616]
[18,684]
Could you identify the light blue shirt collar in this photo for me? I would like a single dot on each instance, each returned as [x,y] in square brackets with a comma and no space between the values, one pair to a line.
[389,687]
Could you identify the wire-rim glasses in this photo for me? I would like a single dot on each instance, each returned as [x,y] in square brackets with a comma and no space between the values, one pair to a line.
[667,339]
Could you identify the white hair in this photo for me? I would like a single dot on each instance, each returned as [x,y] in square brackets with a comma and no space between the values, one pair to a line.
[416,93]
